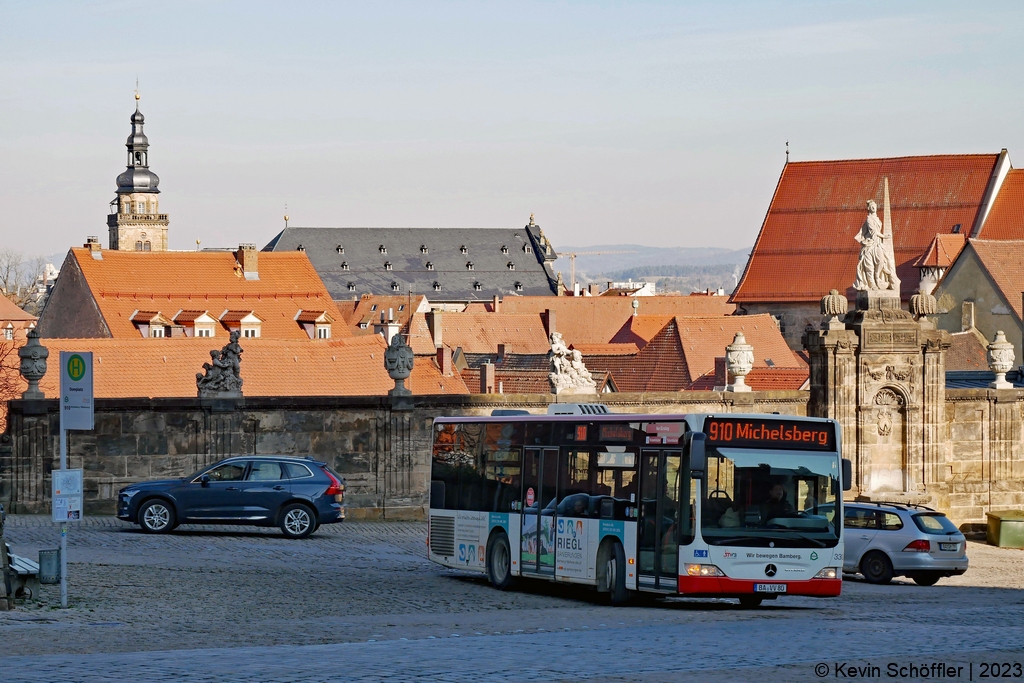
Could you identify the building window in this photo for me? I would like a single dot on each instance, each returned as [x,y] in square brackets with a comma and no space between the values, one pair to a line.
[510,265]
[401,308]
[504,249]
[156,330]
[519,286]
[341,249]
[387,265]
[463,249]
[437,286]
[477,286]
[251,332]
[363,326]
[469,265]
[344,265]
[394,287]
[323,331]
[382,249]
[8,333]
[142,207]
[146,246]
[527,249]
[373,308]
[138,246]
[430,266]
[351,287]
[204,332]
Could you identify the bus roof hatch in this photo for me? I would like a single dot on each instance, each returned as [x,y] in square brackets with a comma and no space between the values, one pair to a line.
[578,409]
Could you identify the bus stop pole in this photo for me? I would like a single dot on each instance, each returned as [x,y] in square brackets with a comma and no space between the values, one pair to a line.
[63,528]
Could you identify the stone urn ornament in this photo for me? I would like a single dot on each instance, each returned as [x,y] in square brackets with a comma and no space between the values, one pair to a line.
[398,361]
[739,359]
[923,304]
[33,366]
[1000,360]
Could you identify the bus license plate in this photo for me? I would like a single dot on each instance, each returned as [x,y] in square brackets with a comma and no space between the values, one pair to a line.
[949,546]
[769,588]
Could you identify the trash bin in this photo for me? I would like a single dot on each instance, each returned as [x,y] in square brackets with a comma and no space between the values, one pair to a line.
[1006,529]
[49,566]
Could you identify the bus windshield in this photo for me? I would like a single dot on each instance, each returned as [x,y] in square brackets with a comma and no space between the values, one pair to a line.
[760,497]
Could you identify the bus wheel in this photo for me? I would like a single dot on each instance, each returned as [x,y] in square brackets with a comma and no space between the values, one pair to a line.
[615,575]
[499,562]
[750,601]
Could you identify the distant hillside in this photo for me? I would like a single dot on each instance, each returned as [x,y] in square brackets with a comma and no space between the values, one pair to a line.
[682,269]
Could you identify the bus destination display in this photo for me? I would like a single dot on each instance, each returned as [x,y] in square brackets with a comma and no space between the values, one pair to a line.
[768,433]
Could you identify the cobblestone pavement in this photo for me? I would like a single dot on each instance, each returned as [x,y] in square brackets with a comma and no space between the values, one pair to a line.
[359,602]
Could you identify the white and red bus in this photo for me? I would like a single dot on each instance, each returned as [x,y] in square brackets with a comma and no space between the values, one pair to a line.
[730,505]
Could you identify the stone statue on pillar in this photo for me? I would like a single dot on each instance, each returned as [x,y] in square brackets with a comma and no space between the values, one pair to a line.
[399,361]
[876,268]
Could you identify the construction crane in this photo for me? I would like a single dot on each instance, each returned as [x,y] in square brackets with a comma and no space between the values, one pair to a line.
[572,261]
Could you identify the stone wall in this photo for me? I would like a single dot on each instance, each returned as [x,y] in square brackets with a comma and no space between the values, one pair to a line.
[382,452]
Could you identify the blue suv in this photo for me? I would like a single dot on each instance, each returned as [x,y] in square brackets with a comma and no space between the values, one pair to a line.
[294,493]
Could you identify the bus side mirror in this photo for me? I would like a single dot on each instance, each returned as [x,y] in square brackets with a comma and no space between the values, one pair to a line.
[847,475]
[698,458]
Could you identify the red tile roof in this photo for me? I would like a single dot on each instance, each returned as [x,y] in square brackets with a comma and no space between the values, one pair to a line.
[10,312]
[596,319]
[427,379]
[969,351]
[481,333]
[357,311]
[806,246]
[125,281]
[759,379]
[942,251]
[1006,219]
[605,349]
[640,329]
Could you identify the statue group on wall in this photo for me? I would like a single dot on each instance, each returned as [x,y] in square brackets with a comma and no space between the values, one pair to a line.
[567,369]
[223,372]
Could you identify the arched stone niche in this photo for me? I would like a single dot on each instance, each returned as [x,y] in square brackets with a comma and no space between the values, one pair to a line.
[885,435]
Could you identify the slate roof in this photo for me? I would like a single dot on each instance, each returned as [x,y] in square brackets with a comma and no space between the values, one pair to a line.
[1006,219]
[122,282]
[362,264]
[806,245]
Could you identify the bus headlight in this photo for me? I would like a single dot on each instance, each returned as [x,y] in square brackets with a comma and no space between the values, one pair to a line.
[828,573]
[703,570]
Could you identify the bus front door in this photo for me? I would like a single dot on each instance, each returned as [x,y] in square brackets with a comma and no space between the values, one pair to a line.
[537,552]
[657,522]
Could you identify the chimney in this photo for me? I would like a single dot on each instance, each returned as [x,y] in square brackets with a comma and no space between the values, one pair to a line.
[501,353]
[496,304]
[487,378]
[92,243]
[444,360]
[721,374]
[248,258]
[434,320]
[549,322]
[967,316]
[594,289]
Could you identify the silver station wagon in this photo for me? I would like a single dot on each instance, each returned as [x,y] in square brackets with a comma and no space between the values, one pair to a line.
[884,540]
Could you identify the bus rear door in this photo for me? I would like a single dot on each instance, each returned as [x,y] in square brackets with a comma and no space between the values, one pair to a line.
[537,550]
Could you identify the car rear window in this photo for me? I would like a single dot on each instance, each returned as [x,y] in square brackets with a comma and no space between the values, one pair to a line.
[294,470]
[891,522]
[935,524]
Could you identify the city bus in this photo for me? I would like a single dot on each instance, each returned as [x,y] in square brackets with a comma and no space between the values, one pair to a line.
[707,505]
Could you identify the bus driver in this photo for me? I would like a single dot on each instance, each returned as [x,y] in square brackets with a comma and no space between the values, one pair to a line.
[776,505]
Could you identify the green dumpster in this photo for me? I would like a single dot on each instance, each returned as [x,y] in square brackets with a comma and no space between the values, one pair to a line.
[1006,529]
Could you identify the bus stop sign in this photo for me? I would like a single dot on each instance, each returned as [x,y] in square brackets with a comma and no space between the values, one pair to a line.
[76,402]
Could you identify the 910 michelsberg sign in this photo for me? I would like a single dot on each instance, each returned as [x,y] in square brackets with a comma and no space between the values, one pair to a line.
[76,402]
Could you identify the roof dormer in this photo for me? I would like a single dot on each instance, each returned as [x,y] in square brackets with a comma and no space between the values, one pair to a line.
[151,323]
[317,324]
[246,323]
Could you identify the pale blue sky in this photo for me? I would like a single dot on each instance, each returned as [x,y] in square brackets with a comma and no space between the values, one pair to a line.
[652,123]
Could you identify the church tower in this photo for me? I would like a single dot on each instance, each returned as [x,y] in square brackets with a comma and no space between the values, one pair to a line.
[135,221]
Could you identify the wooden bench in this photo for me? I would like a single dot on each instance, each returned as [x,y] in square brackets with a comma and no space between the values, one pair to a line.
[24,576]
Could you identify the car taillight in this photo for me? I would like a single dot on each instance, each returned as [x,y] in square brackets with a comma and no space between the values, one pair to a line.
[336,488]
[918,546]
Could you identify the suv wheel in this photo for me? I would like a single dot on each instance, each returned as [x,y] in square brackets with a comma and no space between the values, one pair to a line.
[876,567]
[929,579]
[297,521]
[156,516]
